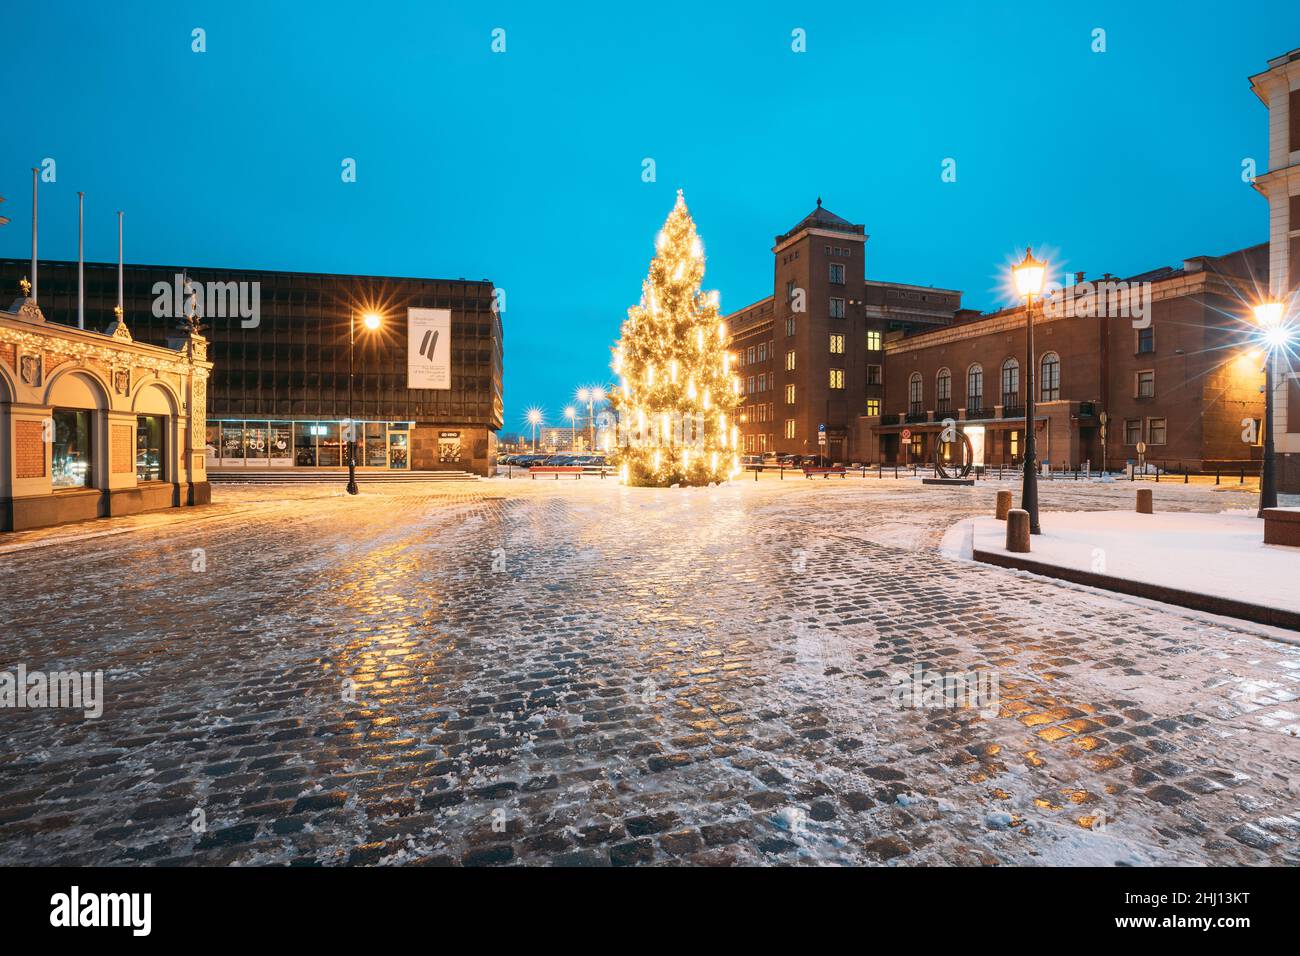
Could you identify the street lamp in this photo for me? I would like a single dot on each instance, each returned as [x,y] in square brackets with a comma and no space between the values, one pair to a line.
[591,396]
[1029,275]
[534,419]
[371,321]
[1275,334]
[570,414]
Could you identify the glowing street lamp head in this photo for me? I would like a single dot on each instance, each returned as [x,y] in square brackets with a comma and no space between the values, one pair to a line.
[569,412]
[597,394]
[370,320]
[1029,274]
[1268,314]
[583,394]
[1277,336]
[534,416]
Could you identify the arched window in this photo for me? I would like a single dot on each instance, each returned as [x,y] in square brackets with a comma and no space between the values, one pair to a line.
[943,391]
[974,388]
[1011,383]
[915,394]
[1050,377]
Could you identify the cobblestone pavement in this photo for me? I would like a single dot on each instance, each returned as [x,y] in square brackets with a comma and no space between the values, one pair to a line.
[579,673]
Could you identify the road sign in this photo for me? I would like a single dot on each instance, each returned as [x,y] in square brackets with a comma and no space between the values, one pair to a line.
[907,434]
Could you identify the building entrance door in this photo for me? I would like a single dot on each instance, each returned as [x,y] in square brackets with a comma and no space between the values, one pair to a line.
[397,450]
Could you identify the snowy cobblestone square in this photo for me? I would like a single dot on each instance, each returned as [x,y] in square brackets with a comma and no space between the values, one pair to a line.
[501,672]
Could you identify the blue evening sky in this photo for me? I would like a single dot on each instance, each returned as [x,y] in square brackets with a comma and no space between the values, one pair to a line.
[525,167]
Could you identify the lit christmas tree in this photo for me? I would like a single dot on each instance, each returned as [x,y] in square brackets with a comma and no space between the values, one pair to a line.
[677,394]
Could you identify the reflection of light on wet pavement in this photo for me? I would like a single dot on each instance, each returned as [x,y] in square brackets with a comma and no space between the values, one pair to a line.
[594,674]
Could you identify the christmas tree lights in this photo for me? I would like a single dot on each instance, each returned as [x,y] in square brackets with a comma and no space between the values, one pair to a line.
[677,394]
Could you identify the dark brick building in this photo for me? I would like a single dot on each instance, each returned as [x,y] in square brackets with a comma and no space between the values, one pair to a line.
[811,354]
[1165,357]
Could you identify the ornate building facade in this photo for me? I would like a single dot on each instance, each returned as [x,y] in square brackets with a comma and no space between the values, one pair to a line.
[94,424]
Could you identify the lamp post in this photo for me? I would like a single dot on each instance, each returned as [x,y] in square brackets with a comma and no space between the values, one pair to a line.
[371,321]
[1029,275]
[596,396]
[571,415]
[1275,333]
[534,419]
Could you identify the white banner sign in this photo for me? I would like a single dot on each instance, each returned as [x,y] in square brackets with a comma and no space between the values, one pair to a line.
[428,348]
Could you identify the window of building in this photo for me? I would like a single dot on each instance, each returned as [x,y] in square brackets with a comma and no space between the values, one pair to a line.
[762,382]
[837,308]
[1294,117]
[873,406]
[1011,382]
[873,375]
[789,394]
[915,394]
[1132,431]
[974,387]
[790,288]
[149,448]
[917,450]
[1156,429]
[837,344]
[789,428]
[70,465]
[873,340]
[943,391]
[1146,340]
[837,273]
[752,352]
[789,327]
[1146,383]
[750,385]
[762,352]
[1050,377]
[789,361]
[837,378]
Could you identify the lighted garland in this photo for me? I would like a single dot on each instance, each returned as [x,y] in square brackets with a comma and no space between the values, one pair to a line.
[677,394]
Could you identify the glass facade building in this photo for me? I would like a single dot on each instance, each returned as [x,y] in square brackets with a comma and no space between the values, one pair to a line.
[279,344]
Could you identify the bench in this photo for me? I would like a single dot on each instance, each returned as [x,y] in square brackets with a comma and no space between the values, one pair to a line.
[1282,526]
[556,470]
[809,471]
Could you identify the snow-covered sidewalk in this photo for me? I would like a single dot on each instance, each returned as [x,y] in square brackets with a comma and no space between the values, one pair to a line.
[1220,556]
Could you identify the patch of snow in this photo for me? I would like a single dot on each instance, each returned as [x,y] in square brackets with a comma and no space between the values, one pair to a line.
[1222,555]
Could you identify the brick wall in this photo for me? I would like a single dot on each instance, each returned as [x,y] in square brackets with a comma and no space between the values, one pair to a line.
[29,449]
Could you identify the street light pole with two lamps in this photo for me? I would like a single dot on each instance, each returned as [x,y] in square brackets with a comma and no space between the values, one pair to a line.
[591,396]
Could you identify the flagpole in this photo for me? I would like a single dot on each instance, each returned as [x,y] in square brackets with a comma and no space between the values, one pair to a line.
[81,260]
[120,304]
[35,284]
